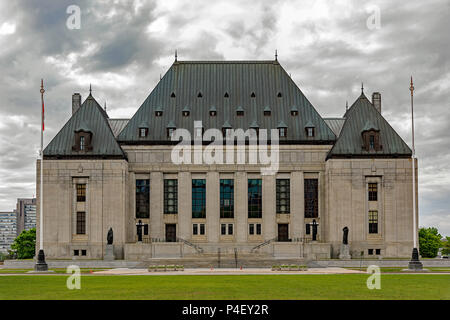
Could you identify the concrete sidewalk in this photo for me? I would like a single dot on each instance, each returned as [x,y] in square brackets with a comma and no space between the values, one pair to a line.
[224,271]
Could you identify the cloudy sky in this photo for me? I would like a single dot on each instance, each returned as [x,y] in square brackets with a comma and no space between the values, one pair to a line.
[329,47]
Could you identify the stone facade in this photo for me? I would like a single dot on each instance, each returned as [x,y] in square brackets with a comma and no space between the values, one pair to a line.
[110,202]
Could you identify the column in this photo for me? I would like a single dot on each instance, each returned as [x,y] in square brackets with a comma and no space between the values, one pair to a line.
[212,206]
[269,202]
[240,205]
[297,205]
[156,205]
[184,205]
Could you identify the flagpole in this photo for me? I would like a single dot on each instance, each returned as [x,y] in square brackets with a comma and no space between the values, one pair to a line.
[41,265]
[414,264]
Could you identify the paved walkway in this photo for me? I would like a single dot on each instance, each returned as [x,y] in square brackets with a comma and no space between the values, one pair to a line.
[224,271]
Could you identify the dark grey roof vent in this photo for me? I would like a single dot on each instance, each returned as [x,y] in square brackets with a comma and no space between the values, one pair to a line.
[279,95]
[172,95]
[226,95]
[253,95]
[199,95]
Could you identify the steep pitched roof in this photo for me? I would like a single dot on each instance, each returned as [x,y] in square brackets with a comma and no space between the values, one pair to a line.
[89,117]
[217,79]
[361,115]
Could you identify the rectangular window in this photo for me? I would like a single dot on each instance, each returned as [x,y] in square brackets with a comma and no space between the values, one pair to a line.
[76,252]
[373,191]
[83,252]
[308,228]
[254,198]
[377,252]
[198,198]
[370,252]
[146,229]
[258,228]
[372,142]
[195,229]
[373,221]
[142,198]
[202,228]
[82,143]
[81,222]
[226,198]
[311,198]
[310,132]
[170,196]
[283,196]
[230,228]
[223,229]
[251,228]
[81,192]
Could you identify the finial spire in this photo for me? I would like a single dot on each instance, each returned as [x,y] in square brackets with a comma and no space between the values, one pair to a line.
[276,55]
[411,87]
[42,86]
[105,106]
[176,55]
[362,87]
[346,105]
[90,88]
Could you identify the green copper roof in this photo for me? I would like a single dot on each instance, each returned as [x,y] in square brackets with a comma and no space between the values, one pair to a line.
[269,82]
[89,117]
[360,116]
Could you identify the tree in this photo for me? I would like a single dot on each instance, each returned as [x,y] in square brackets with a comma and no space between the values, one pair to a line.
[24,245]
[446,246]
[429,242]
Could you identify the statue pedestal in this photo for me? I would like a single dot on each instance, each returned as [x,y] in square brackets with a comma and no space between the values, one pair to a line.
[345,252]
[109,252]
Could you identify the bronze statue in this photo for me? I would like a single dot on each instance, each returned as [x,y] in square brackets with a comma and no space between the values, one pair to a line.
[109,237]
[345,237]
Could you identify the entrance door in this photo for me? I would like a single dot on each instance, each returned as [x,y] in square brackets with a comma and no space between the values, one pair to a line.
[283,232]
[171,232]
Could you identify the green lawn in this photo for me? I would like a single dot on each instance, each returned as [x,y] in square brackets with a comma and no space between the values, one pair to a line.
[350,286]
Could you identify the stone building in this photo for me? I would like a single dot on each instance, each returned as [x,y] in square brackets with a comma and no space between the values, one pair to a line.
[7,230]
[26,214]
[354,171]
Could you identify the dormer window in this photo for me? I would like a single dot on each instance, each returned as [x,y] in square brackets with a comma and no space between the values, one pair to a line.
[158,113]
[185,112]
[279,95]
[170,132]
[172,95]
[226,95]
[253,95]
[199,95]
[282,129]
[240,111]
[267,111]
[143,132]
[294,111]
[212,111]
[371,137]
[310,129]
[83,138]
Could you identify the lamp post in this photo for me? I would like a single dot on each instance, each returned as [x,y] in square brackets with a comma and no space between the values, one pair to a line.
[41,265]
[414,264]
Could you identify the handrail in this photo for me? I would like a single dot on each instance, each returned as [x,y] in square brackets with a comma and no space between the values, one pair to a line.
[196,247]
[264,244]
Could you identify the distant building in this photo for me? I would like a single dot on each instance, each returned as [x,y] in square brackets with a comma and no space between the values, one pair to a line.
[26,214]
[7,230]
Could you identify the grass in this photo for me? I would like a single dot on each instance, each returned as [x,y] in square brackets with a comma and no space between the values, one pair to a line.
[180,287]
[399,269]
[56,270]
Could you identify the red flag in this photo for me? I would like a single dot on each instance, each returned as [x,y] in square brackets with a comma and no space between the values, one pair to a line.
[42,98]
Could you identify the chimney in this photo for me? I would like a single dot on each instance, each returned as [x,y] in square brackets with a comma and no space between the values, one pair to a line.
[76,102]
[376,101]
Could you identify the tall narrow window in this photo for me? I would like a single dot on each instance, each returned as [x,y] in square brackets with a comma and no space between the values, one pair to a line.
[142,198]
[81,222]
[170,196]
[372,142]
[283,196]
[254,198]
[82,143]
[311,198]
[81,192]
[310,132]
[198,198]
[226,198]
[282,132]
[373,191]
[373,221]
